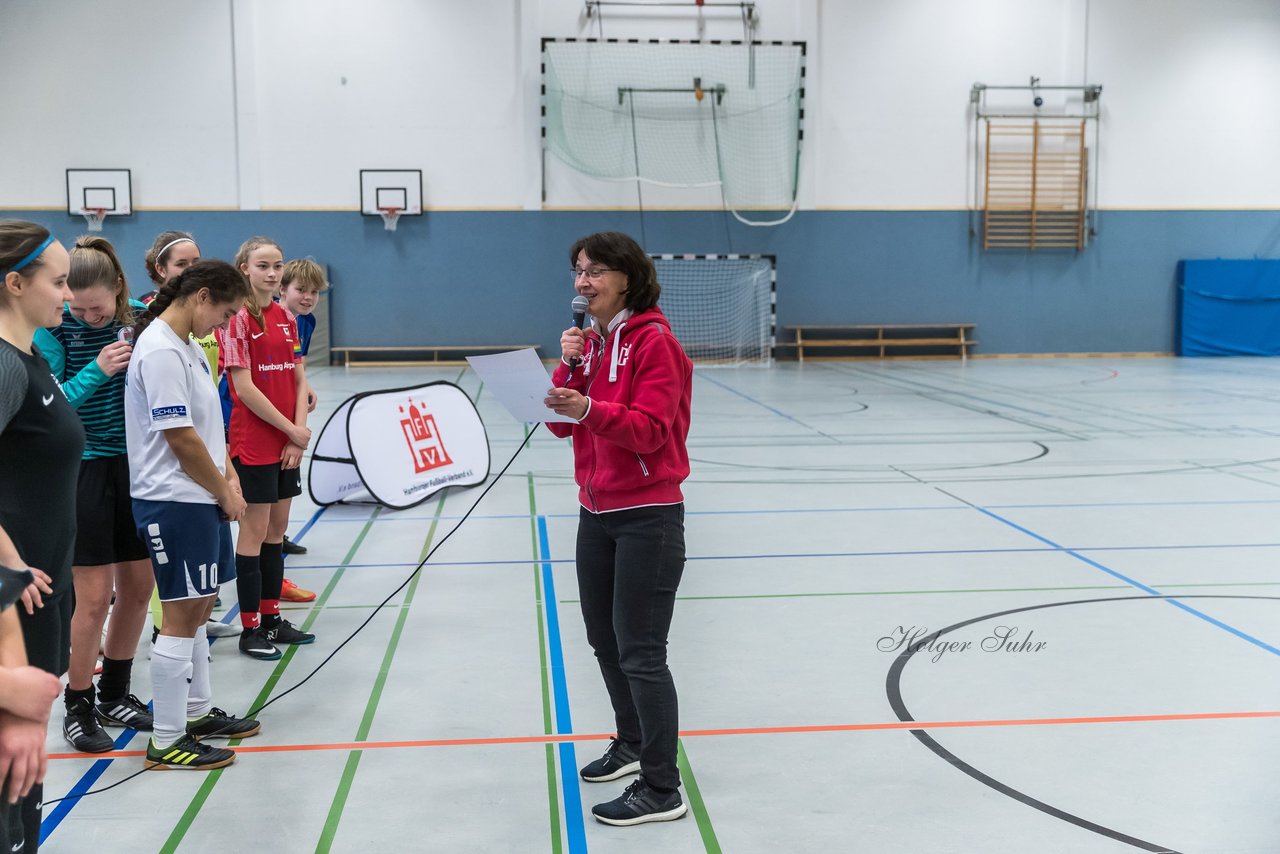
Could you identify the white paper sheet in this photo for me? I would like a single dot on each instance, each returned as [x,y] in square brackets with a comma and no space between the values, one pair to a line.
[519,381]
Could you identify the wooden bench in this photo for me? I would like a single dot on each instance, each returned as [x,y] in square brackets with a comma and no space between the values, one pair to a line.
[884,338]
[416,355]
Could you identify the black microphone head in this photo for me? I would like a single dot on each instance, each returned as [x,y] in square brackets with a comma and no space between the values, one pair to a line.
[579,305]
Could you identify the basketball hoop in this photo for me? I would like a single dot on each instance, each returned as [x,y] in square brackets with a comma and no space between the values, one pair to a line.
[389,217]
[94,216]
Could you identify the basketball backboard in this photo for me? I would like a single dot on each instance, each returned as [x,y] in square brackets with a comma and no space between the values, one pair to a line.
[382,189]
[106,190]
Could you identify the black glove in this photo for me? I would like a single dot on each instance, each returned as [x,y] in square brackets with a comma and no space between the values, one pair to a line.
[12,583]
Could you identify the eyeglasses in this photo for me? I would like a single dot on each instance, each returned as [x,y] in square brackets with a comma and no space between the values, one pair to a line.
[595,274]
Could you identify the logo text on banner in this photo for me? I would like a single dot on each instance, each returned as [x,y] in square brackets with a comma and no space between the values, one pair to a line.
[361,452]
[425,446]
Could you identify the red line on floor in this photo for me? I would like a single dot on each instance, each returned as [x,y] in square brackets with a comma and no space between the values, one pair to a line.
[698,733]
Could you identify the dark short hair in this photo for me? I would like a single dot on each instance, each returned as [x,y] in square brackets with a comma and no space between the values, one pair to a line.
[619,252]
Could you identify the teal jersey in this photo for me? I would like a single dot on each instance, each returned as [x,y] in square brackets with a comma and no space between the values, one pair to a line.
[72,350]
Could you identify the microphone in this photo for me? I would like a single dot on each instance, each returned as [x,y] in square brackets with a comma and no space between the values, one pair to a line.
[579,306]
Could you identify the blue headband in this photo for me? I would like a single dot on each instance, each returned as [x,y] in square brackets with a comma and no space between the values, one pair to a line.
[33,256]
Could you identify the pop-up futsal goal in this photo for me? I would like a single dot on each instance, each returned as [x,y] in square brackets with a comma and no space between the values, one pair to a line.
[398,447]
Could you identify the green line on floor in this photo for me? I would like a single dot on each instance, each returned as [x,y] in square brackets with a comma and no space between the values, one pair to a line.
[964,590]
[339,802]
[206,788]
[553,798]
[696,803]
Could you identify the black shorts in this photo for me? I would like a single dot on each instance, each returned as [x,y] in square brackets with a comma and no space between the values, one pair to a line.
[105,532]
[47,632]
[268,484]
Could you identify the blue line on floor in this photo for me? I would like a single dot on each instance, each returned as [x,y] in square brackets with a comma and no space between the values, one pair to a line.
[84,784]
[573,819]
[315,517]
[1138,584]
[97,769]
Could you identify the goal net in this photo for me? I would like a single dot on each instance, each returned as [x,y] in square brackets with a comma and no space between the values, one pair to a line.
[680,114]
[721,307]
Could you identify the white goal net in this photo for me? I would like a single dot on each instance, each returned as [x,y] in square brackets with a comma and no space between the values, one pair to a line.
[721,307]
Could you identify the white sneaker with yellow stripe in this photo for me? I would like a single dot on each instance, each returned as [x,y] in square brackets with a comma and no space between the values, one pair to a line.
[187,754]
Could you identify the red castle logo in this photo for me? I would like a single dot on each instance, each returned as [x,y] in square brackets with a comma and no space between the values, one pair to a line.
[425,446]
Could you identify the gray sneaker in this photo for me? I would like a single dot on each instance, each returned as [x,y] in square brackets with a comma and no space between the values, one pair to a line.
[639,804]
[619,760]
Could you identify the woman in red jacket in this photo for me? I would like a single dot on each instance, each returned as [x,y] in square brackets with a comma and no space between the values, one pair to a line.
[627,383]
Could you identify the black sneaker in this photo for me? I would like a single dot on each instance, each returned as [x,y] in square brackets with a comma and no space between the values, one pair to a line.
[128,711]
[639,804]
[618,761]
[254,643]
[291,548]
[82,730]
[187,754]
[219,724]
[280,630]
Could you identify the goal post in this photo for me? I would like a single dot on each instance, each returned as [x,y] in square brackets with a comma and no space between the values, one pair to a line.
[722,308]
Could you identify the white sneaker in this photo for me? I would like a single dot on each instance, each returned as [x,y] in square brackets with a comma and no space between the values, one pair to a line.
[219,629]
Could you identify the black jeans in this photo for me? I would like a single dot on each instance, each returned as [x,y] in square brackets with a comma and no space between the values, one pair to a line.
[629,566]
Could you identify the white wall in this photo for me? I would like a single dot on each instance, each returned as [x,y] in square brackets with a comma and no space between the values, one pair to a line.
[429,84]
[241,103]
[145,85]
[893,123]
[1192,102]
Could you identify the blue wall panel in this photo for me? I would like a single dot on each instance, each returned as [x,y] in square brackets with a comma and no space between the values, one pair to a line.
[487,277]
[1229,308]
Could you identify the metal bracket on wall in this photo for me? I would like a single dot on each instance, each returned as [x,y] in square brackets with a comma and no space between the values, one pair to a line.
[595,9]
[1041,179]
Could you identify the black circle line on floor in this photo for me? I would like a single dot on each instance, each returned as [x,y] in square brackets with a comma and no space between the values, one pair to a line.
[893,688]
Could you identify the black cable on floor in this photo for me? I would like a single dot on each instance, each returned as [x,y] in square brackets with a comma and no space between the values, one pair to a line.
[253,712]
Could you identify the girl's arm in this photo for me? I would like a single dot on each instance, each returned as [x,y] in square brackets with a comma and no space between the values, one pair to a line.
[250,395]
[111,360]
[32,597]
[193,456]
[303,392]
[24,691]
[291,454]
[13,653]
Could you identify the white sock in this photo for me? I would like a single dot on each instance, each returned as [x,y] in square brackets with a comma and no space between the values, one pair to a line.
[170,684]
[200,699]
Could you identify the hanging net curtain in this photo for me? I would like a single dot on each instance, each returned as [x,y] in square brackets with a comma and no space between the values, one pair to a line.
[628,110]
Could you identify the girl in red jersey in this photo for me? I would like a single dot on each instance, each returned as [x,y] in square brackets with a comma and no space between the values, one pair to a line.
[268,434]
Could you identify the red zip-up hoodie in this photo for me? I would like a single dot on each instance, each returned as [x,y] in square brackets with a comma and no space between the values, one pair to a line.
[629,450]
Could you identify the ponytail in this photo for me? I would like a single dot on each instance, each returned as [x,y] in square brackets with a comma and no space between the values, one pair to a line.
[164,297]
[94,263]
[224,282]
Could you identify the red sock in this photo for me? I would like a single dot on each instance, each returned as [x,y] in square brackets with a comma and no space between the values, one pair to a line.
[271,607]
[250,619]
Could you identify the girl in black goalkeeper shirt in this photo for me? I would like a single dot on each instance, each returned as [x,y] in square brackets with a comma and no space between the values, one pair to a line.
[41,441]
